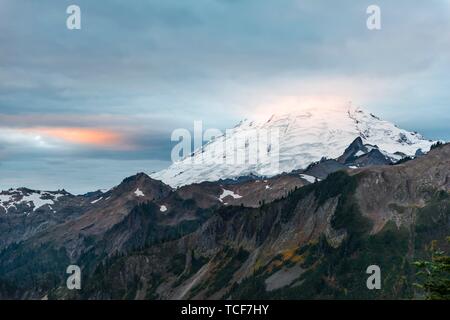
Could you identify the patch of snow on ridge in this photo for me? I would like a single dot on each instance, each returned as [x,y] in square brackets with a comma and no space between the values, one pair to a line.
[36,199]
[308,178]
[5,197]
[305,136]
[95,201]
[163,208]
[226,193]
[5,202]
[139,193]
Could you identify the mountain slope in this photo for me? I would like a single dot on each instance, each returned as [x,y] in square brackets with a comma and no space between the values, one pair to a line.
[305,136]
[25,212]
[314,242]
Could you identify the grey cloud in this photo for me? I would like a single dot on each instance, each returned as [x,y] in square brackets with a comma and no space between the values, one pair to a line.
[148,67]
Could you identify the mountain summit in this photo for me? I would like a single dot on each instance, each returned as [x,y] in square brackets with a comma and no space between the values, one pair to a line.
[305,136]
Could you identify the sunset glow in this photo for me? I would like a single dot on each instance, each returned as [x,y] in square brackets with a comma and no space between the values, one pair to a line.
[88,136]
[293,104]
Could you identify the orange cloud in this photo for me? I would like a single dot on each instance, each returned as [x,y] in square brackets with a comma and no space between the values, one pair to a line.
[95,137]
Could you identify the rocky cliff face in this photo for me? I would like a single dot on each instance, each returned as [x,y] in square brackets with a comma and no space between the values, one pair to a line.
[218,240]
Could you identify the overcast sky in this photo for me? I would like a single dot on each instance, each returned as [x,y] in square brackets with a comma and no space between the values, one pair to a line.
[82,109]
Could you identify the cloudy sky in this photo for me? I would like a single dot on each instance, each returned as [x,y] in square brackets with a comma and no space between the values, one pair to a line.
[82,109]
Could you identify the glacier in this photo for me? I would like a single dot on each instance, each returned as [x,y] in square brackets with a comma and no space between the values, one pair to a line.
[306,135]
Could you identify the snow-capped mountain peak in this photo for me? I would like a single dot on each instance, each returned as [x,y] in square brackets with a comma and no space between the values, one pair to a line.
[304,136]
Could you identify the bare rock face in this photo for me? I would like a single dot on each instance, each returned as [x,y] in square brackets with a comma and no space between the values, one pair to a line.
[323,168]
[352,151]
[396,192]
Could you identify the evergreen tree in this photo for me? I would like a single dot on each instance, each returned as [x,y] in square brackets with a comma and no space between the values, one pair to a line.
[435,274]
